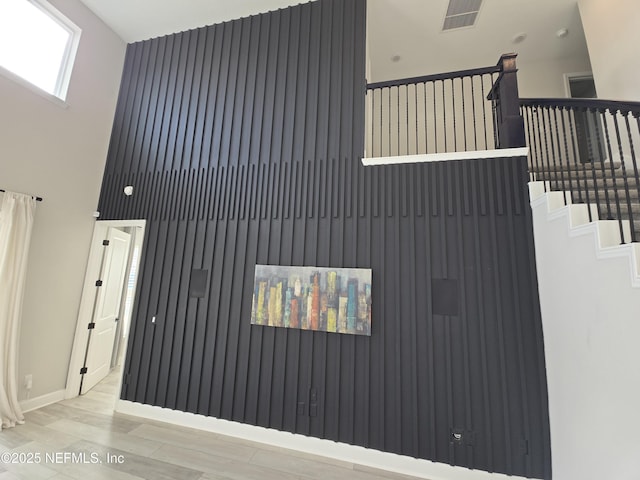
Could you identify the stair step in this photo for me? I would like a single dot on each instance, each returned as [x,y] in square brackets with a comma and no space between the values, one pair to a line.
[576,186]
[580,167]
[624,208]
[624,214]
[635,206]
[588,174]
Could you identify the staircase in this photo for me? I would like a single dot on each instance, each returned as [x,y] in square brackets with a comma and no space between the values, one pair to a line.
[603,185]
[595,200]
[582,152]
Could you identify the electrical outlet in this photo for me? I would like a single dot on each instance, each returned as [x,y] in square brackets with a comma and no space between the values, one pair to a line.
[28,381]
[457,436]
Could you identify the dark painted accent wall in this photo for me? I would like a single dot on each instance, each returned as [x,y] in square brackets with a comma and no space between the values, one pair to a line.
[243,142]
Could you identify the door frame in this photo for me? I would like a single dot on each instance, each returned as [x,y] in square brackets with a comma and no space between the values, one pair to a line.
[567,77]
[88,298]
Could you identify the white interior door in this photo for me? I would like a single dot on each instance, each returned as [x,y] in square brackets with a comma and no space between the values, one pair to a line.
[107,306]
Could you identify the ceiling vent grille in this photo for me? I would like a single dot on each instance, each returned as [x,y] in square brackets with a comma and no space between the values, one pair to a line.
[461,13]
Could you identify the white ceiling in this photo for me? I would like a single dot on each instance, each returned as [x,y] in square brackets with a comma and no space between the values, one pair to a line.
[136,20]
[413,30]
[408,28]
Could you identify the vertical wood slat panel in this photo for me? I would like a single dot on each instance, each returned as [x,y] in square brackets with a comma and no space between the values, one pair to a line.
[145,119]
[132,105]
[243,143]
[243,193]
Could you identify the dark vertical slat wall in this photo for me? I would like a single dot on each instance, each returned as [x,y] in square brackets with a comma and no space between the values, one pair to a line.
[243,143]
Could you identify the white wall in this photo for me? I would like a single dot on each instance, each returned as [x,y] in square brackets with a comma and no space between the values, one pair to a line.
[545,79]
[59,154]
[613,35]
[591,323]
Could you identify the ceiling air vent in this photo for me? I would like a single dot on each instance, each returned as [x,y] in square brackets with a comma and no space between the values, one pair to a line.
[461,13]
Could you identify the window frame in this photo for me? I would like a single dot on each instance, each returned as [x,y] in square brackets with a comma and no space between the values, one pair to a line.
[67,62]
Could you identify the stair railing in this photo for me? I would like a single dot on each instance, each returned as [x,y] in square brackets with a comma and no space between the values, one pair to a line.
[581,146]
[587,148]
[447,112]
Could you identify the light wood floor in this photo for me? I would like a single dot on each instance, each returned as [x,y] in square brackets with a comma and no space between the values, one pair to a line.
[88,430]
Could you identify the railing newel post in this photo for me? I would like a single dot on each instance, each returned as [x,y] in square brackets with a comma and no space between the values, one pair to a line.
[506,99]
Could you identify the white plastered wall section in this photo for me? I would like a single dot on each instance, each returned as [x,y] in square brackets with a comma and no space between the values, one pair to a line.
[590,314]
[58,152]
[546,79]
[613,36]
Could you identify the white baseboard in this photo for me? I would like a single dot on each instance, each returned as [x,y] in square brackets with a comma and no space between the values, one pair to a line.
[42,401]
[315,446]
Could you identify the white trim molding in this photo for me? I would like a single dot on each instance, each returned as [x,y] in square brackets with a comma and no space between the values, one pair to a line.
[31,404]
[315,446]
[447,157]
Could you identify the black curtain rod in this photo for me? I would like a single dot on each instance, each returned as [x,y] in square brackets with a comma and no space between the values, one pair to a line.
[38,199]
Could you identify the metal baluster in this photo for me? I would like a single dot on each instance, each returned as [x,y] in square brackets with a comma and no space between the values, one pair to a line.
[558,155]
[542,172]
[624,173]
[484,113]
[453,108]
[406,104]
[373,121]
[581,165]
[548,175]
[380,152]
[473,109]
[435,119]
[613,173]
[531,141]
[634,238]
[582,171]
[533,114]
[494,114]
[426,134]
[444,115]
[605,187]
[389,122]
[398,118]
[415,89]
[567,156]
[464,117]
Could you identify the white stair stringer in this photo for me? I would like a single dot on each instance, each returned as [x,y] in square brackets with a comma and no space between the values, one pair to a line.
[606,233]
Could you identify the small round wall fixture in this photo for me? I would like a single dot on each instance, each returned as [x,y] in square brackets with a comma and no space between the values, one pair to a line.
[128,190]
[519,38]
[562,33]
[396,58]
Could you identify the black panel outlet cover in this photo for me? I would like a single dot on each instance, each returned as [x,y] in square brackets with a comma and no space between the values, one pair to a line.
[198,284]
[445,297]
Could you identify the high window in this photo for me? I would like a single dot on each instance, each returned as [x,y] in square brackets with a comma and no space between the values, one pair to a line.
[37,44]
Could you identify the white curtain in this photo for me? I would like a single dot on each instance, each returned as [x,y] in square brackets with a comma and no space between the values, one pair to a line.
[16,223]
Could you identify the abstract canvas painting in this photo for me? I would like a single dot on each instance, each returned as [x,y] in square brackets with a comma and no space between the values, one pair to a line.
[313,298]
